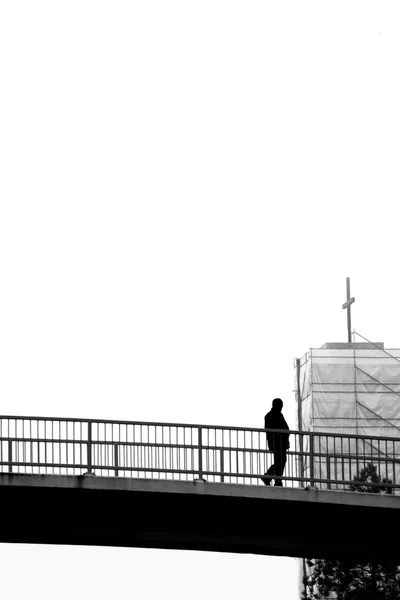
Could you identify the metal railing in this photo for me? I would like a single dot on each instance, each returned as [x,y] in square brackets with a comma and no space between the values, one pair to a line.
[176,451]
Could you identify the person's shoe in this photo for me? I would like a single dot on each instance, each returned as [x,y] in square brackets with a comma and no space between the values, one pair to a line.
[267,479]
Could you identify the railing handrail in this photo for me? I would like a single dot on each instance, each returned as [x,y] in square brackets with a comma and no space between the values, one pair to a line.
[201,426]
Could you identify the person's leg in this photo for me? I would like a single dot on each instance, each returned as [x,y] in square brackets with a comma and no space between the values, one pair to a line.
[279,462]
[269,475]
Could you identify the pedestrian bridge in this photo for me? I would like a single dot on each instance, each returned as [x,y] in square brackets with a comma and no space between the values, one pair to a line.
[197,487]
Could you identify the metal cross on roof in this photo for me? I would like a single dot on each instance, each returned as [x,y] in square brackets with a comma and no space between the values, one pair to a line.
[347,305]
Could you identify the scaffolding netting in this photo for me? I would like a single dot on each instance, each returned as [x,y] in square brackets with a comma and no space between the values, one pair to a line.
[351,389]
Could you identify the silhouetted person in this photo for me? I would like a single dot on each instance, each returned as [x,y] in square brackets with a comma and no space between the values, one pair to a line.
[278,443]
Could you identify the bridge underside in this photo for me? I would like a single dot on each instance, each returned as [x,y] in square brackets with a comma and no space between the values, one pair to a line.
[108,511]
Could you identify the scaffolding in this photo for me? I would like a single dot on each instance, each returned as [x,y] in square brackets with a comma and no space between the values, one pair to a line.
[350,388]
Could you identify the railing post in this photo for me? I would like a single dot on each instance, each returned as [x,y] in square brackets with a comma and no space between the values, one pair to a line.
[311,459]
[10,456]
[116,460]
[89,448]
[222,465]
[200,454]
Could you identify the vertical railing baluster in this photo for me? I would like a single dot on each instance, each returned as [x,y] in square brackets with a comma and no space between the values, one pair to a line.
[343,477]
[386,462]
[251,456]
[311,435]
[10,456]
[237,455]
[244,458]
[45,446]
[23,446]
[200,453]
[89,448]
[31,442]
[300,461]
[328,471]
[116,471]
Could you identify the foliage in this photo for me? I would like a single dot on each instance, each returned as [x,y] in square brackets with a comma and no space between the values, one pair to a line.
[369,475]
[345,580]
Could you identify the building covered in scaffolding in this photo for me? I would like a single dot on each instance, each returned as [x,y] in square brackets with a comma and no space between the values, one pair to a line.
[351,389]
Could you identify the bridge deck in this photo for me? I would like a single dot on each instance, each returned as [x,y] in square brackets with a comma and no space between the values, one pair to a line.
[115,511]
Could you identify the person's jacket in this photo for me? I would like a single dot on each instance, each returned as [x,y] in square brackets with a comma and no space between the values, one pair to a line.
[275,420]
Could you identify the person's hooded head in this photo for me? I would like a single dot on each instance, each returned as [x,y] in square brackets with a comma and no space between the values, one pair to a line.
[277,404]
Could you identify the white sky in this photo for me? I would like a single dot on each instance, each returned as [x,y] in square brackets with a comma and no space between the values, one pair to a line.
[184,188]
